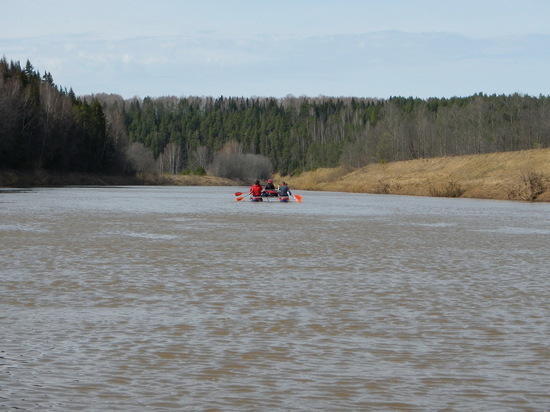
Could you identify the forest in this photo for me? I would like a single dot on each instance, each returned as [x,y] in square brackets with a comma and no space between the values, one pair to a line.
[45,126]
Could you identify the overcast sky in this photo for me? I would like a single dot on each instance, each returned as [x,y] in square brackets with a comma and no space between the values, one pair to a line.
[362,48]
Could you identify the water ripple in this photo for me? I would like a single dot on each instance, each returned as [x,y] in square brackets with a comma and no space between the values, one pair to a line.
[353,303]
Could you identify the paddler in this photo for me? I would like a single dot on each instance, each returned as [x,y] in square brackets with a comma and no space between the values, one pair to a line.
[284,191]
[269,189]
[256,192]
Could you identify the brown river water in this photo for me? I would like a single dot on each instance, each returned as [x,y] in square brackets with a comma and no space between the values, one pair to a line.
[181,298]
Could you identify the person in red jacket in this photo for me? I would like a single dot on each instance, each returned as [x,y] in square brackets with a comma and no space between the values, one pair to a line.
[256,192]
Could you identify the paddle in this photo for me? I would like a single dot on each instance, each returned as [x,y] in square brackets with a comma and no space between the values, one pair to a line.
[238,193]
[238,199]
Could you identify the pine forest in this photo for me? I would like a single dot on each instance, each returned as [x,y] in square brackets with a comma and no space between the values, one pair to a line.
[43,125]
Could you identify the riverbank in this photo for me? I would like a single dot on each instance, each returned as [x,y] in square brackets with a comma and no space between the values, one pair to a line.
[521,175]
[510,175]
[41,178]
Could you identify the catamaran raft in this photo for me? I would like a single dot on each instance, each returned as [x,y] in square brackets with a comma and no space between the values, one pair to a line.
[258,194]
[269,196]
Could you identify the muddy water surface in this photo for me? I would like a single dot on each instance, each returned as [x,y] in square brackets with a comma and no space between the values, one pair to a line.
[178,298]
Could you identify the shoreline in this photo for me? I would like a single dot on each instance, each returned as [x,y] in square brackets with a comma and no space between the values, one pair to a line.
[41,178]
[497,176]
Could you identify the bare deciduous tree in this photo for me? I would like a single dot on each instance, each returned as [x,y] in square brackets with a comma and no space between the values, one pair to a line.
[201,157]
[230,162]
[171,158]
[140,158]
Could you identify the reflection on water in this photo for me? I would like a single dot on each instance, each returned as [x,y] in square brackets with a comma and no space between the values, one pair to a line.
[181,298]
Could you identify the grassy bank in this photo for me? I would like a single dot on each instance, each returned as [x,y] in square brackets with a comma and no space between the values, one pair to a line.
[510,175]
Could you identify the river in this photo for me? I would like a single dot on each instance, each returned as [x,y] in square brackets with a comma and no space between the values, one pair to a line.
[181,298]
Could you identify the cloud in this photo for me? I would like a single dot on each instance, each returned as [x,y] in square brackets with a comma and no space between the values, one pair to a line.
[378,64]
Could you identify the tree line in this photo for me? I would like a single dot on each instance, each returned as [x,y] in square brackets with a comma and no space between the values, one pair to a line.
[43,125]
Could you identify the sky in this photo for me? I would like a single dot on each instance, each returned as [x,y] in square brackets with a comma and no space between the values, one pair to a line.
[261,48]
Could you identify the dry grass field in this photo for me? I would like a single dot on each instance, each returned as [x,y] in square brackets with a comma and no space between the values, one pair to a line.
[521,175]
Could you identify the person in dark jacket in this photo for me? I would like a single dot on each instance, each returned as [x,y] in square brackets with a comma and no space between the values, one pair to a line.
[269,189]
[270,185]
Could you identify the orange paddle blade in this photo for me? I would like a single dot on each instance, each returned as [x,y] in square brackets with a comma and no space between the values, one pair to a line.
[238,193]
[298,198]
[239,199]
